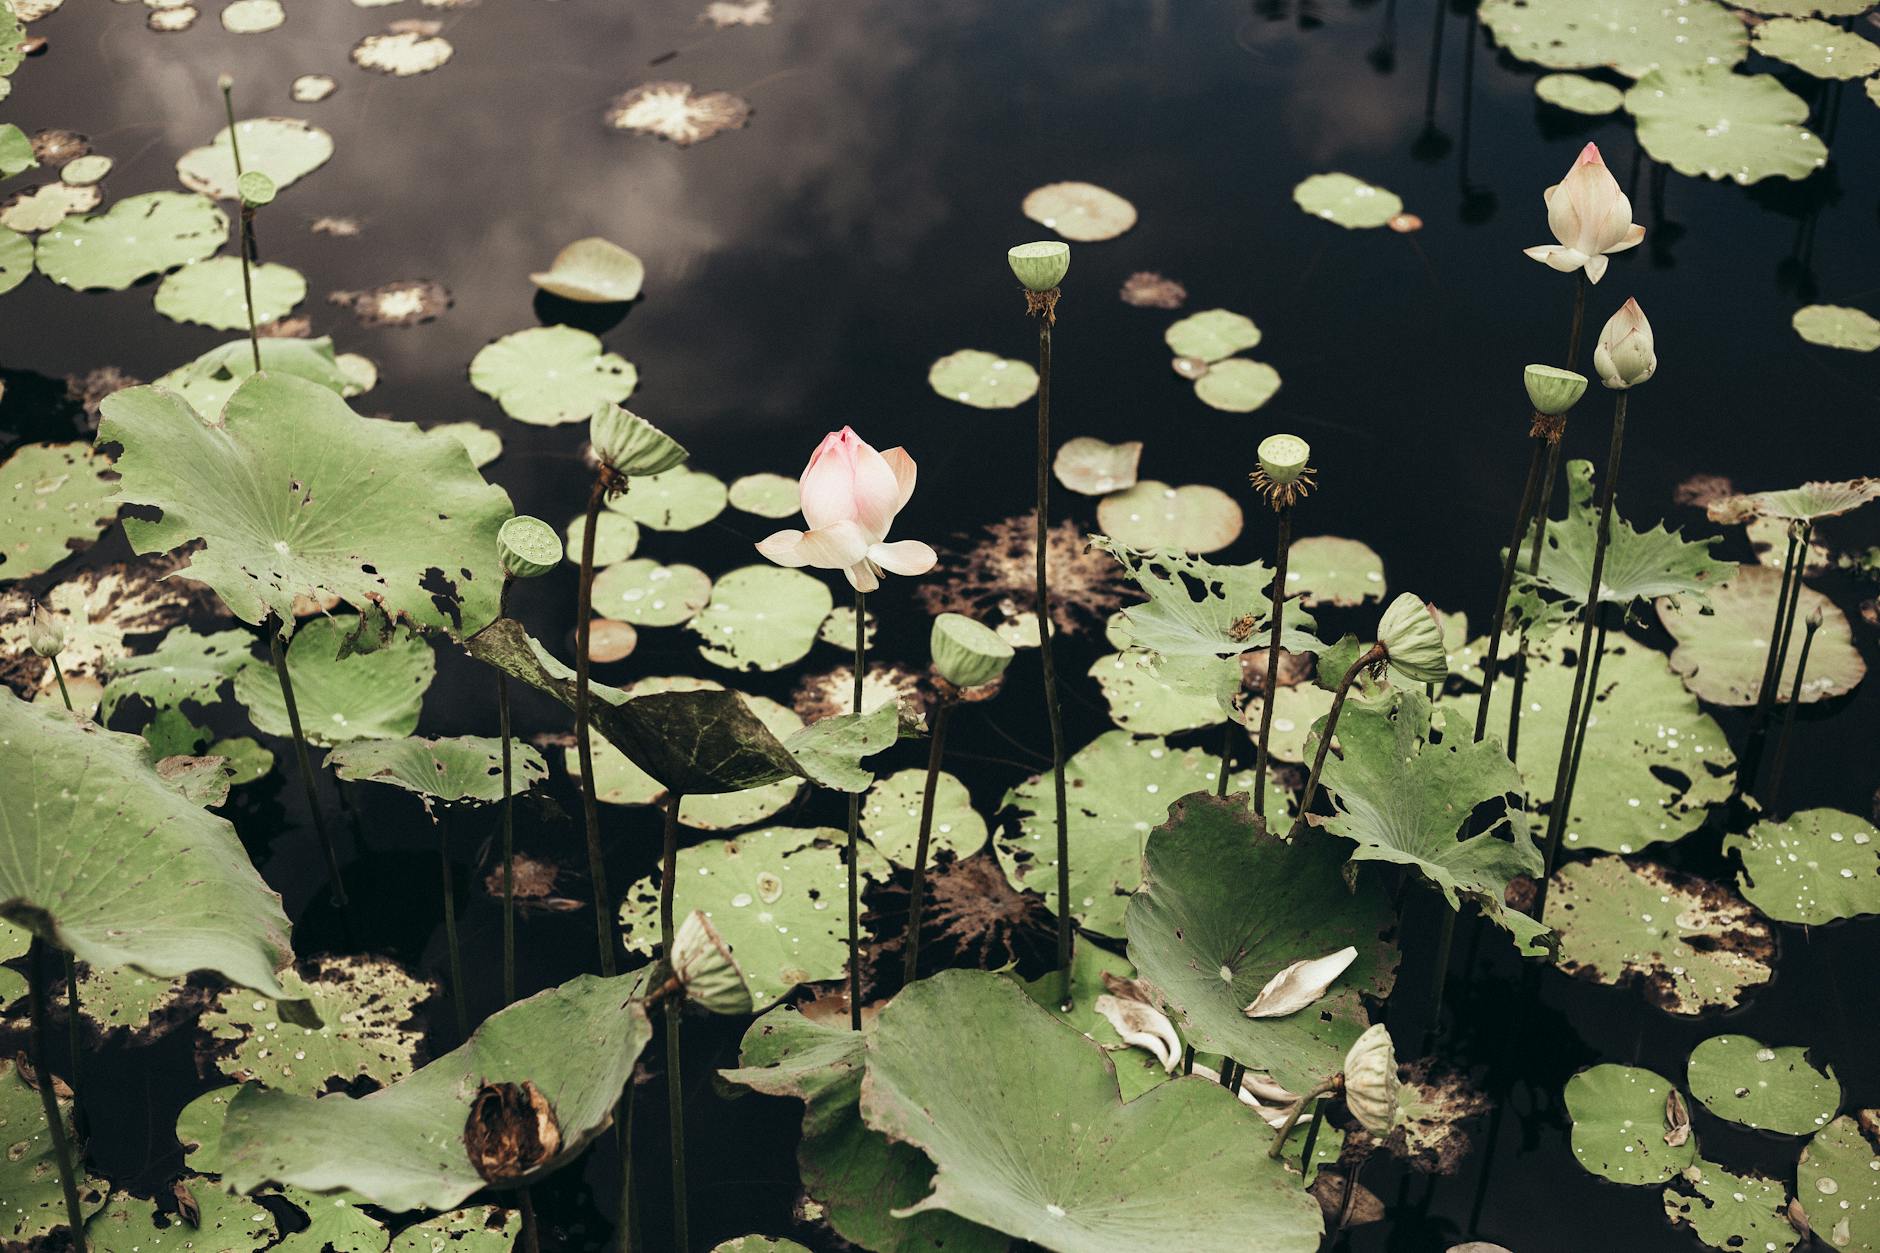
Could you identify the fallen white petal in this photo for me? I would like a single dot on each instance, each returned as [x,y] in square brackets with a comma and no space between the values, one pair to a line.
[1299,985]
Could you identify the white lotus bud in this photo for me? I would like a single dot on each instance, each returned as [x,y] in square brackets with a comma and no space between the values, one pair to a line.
[45,634]
[1626,353]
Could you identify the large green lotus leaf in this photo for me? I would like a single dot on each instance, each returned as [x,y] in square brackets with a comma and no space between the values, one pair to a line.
[364,1006]
[292,493]
[1836,326]
[1197,608]
[478,1229]
[104,859]
[1817,47]
[208,381]
[1137,1069]
[1327,570]
[1346,201]
[891,817]
[32,1202]
[1225,905]
[762,618]
[1653,762]
[984,380]
[1148,699]
[858,1175]
[51,495]
[1630,36]
[1686,942]
[777,895]
[1744,1081]
[361,696]
[1815,866]
[1638,564]
[402,1146]
[1211,335]
[1712,122]
[184,666]
[461,769]
[1729,1211]
[1152,516]
[285,149]
[16,257]
[135,238]
[1402,799]
[1721,655]
[1837,1182]
[229,1224]
[1619,1125]
[126,999]
[550,375]
[14,942]
[210,293]
[679,499]
[1033,1139]
[1809,502]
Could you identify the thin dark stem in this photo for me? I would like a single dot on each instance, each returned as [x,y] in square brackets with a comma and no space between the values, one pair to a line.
[1523,516]
[1277,603]
[675,1087]
[247,222]
[1579,318]
[917,894]
[531,1234]
[1768,683]
[1227,755]
[855,824]
[48,1099]
[1312,1137]
[1788,622]
[1439,979]
[1188,1059]
[509,817]
[450,930]
[71,1013]
[627,1235]
[1778,660]
[590,805]
[1041,534]
[1586,711]
[64,692]
[1371,658]
[275,646]
[1774,788]
[1226,1077]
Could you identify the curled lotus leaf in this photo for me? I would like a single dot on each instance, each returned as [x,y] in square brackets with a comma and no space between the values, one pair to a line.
[593,271]
[463,769]
[1815,866]
[1638,564]
[1808,503]
[1619,1125]
[1721,655]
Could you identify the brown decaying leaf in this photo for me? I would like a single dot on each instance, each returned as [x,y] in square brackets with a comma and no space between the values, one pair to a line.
[510,1131]
[1677,1120]
[131,598]
[820,696]
[407,302]
[672,112]
[1148,290]
[88,390]
[995,578]
[534,885]
[56,147]
[1702,489]
[339,228]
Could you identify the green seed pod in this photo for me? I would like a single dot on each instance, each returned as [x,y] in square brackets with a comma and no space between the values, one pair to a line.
[225,84]
[1551,390]
[1413,639]
[1040,266]
[528,547]
[1284,457]
[255,188]
[706,969]
[628,444]
[1371,1081]
[45,634]
[967,654]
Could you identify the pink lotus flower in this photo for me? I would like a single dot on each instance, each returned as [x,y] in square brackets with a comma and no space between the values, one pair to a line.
[1590,217]
[850,494]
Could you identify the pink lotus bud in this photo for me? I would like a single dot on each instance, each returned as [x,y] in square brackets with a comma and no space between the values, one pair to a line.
[850,495]
[1625,355]
[1590,216]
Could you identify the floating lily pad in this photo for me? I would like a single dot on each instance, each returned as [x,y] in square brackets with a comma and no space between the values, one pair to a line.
[1721,655]
[1212,335]
[1154,516]
[891,817]
[616,538]
[464,768]
[1817,47]
[766,495]
[16,258]
[1619,1125]
[1837,326]
[312,88]
[1815,866]
[483,444]
[1090,467]
[762,618]
[363,1004]
[647,594]
[983,380]
[1744,1081]
[593,271]
[208,381]
[1144,702]
[1711,122]
[1346,201]
[1578,94]
[402,53]
[285,149]
[1081,212]
[755,1243]
[679,499]
[86,170]
[1633,37]
[362,696]
[210,293]
[228,1224]
[678,114]
[1295,711]
[16,151]
[1327,570]
[50,496]
[551,375]
[44,207]
[1688,943]
[253,17]
[185,666]
[1837,1183]
[29,1170]
[1801,8]
[125,999]
[1729,1211]
[133,239]
[1237,385]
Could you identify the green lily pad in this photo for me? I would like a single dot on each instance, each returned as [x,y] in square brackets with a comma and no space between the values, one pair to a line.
[551,375]
[1144,702]
[1211,335]
[464,768]
[359,508]
[208,381]
[1154,516]
[1034,1140]
[1687,943]
[1837,1182]
[16,257]
[1815,866]
[185,666]
[1817,47]
[616,538]
[29,1170]
[86,170]
[285,149]
[364,696]
[16,151]
[247,758]
[363,1005]
[1729,1211]
[1327,570]
[1237,385]
[210,293]
[478,1229]
[1633,37]
[1080,212]
[647,594]
[1708,121]
[253,17]
[839,629]
[1810,502]
[778,896]
[1838,326]
[1295,711]
[983,380]
[1091,467]
[1802,8]
[759,1244]
[124,999]
[1619,1125]
[593,271]
[1225,619]
[334,1223]
[133,239]
[14,942]
[762,618]
[1746,1082]
[1721,655]
[1578,94]
[1639,565]
[1225,906]
[483,444]
[229,1224]
[1346,201]
[51,495]
[43,207]
[402,1148]
[679,499]
[766,495]
[1137,1069]
[891,817]
[162,885]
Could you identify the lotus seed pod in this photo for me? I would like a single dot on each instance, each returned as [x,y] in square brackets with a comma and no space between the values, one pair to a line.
[706,969]
[225,84]
[1371,1081]
[966,653]
[45,634]
[255,188]
[528,547]
[1553,391]
[1626,354]
[1413,639]
[1040,266]
[1284,457]
[628,444]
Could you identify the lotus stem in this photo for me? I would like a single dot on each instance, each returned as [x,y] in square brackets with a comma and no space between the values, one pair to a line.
[1044,307]
[277,647]
[1376,654]
[627,1236]
[531,1234]
[855,823]
[1357,1167]
[1188,1059]
[1226,1077]
[64,692]
[1271,692]
[590,805]
[247,242]
[1788,715]
[1789,598]
[48,1099]
[917,894]
[675,1087]
[1768,681]
[509,817]
[1439,980]
[1324,1089]
[1312,1138]
[71,1011]
[1522,519]
[1586,713]
[1227,755]
[450,930]
[1579,318]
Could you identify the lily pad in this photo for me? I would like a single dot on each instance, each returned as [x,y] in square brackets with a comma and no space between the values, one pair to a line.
[1237,385]
[285,149]
[126,999]
[677,113]
[208,381]
[551,375]
[1817,47]
[402,53]
[1729,1211]
[362,696]
[16,258]
[29,1170]
[1744,1081]
[465,768]
[1578,94]
[1837,1183]
[44,207]
[478,1229]
[1327,570]
[50,496]
[253,17]
[1619,1125]
[229,1224]
[1225,619]
[593,271]
[766,495]
[1687,943]
[679,499]
[1638,565]
[1144,702]
[133,239]
[1838,326]
[1152,515]
[16,151]
[363,1005]
[1211,335]
[1721,655]
[1633,37]
[86,170]
[1815,866]
[483,444]
[647,594]
[185,666]
[1080,212]
[983,380]
[1709,121]
[1346,201]
[334,1223]
[616,538]
[1295,711]
[210,293]
[891,817]
[1090,467]
[762,618]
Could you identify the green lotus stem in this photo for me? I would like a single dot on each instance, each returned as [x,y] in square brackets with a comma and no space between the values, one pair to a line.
[64,692]
[1563,800]
[509,816]
[277,648]
[1789,600]
[450,930]
[1445,941]
[1768,680]
[247,220]
[1324,1089]
[71,1010]
[1269,695]
[1523,517]
[1376,654]
[1312,1138]
[675,1087]
[48,1100]
[1788,715]
[859,669]
[1586,713]
[917,894]
[590,805]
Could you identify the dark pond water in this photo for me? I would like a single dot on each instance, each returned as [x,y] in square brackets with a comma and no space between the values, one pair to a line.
[804,272]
